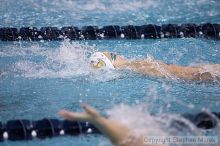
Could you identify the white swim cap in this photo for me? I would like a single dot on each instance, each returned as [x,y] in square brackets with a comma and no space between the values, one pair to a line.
[100,60]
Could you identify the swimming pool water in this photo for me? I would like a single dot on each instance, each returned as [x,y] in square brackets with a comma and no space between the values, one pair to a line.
[100,12]
[37,79]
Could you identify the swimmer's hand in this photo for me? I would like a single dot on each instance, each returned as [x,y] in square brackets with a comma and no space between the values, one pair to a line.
[114,130]
[89,114]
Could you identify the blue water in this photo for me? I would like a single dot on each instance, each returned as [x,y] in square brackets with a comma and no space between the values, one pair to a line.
[37,79]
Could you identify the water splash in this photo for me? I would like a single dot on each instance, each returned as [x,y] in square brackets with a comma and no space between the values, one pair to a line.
[67,61]
[143,123]
[110,6]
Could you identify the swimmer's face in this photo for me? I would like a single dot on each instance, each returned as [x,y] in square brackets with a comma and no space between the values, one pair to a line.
[98,64]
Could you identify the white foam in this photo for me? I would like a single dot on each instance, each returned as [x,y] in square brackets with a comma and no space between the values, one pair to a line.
[112,6]
[67,61]
[136,118]
[213,69]
[142,123]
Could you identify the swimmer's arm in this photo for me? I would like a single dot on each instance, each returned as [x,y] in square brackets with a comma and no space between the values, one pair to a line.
[158,68]
[115,131]
[144,67]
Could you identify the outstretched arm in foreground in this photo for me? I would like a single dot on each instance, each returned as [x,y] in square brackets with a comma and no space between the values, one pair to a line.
[113,130]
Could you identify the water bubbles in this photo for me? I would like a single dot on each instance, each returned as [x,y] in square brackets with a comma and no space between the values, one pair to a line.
[168,105]
[191,105]
[137,101]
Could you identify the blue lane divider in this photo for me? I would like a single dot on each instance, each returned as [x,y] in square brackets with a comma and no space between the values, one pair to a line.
[46,128]
[149,31]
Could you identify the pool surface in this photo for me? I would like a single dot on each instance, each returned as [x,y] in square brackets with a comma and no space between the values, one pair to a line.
[37,79]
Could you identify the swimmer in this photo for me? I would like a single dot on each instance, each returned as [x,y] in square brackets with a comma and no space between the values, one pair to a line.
[156,68]
[114,130]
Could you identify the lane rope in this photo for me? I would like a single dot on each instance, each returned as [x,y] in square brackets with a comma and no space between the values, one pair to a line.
[47,128]
[148,31]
